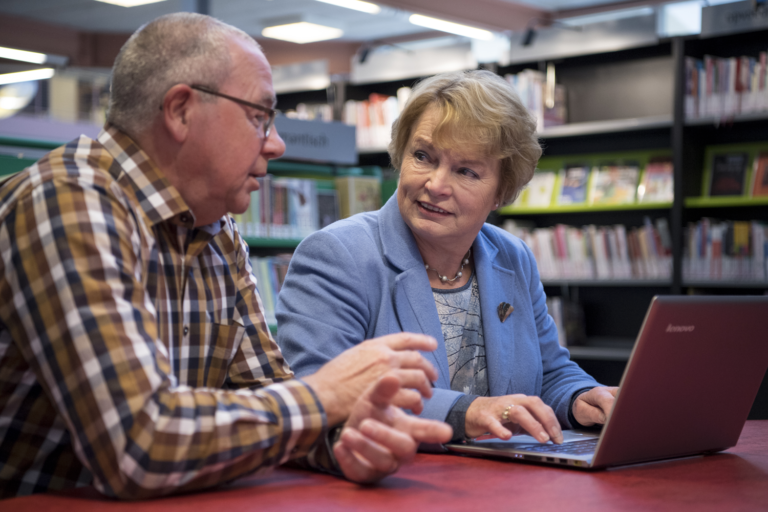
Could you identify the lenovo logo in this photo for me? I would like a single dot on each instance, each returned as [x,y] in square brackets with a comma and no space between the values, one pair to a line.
[680,328]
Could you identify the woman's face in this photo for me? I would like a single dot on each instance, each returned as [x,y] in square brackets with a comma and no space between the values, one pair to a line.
[445,194]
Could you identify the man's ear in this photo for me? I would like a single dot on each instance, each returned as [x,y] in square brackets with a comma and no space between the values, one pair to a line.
[178,104]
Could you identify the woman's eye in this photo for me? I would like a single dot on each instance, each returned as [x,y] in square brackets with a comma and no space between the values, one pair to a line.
[467,172]
[420,156]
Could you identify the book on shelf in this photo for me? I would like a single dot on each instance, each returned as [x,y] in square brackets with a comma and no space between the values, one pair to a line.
[373,118]
[725,86]
[327,207]
[728,174]
[281,208]
[538,193]
[270,274]
[358,194]
[599,252]
[530,86]
[760,176]
[574,181]
[568,316]
[717,250]
[614,184]
[657,185]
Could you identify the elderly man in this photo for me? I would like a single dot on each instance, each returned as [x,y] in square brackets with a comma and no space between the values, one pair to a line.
[134,355]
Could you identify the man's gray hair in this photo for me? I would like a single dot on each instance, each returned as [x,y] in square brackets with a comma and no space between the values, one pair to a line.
[179,48]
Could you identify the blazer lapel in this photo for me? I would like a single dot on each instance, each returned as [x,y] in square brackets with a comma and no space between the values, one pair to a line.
[497,285]
[412,297]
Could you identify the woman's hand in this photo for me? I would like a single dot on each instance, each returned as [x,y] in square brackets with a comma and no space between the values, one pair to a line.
[504,415]
[592,407]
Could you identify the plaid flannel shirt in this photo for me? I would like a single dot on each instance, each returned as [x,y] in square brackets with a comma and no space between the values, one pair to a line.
[134,355]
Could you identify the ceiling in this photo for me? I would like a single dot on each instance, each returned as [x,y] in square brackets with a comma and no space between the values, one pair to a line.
[253,15]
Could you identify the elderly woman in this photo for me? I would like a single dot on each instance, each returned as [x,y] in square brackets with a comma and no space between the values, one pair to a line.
[427,262]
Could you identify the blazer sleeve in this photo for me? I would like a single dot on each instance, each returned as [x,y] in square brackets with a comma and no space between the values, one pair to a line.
[322,307]
[561,377]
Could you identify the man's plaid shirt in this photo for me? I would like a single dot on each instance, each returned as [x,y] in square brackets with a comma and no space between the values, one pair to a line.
[134,355]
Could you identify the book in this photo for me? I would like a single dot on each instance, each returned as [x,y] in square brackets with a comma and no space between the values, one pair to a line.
[657,182]
[358,194]
[327,207]
[540,190]
[614,184]
[573,188]
[760,176]
[728,174]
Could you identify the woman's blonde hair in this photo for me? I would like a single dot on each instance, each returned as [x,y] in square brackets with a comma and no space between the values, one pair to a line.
[478,109]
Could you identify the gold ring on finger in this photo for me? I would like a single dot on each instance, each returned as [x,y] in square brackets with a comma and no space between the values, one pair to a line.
[505,414]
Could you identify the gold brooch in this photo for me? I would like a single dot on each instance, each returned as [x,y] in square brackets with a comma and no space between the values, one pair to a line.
[504,310]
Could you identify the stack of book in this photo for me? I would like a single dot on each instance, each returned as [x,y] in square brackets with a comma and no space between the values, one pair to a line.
[569,319]
[599,252]
[281,208]
[717,87]
[373,118]
[531,87]
[270,274]
[725,251]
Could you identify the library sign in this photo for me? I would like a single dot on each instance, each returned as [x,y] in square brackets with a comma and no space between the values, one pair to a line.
[732,18]
[318,141]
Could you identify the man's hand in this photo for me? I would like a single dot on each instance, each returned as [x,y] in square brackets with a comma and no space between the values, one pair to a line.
[593,407]
[379,437]
[528,413]
[340,382]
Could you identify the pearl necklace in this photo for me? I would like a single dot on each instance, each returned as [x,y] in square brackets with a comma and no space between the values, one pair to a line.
[444,279]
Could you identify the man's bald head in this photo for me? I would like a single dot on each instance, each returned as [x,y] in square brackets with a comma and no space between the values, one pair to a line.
[177,48]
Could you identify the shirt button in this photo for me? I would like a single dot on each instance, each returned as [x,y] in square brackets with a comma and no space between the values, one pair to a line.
[186,330]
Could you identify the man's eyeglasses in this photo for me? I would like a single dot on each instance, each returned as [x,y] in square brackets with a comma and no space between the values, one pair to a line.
[266,122]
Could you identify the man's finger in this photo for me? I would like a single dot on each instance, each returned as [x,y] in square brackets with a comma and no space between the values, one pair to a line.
[400,444]
[377,456]
[412,360]
[410,341]
[352,466]
[415,379]
[408,399]
[384,390]
[424,431]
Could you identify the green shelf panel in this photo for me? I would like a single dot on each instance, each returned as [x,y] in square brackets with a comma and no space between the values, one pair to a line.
[29,143]
[287,243]
[725,201]
[580,208]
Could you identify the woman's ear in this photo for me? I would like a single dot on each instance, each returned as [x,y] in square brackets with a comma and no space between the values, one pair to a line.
[178,103]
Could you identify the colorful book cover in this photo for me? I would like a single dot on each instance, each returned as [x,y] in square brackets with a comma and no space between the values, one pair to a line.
[760,176]
[615,184]
[573,188]
[729,172]
[657,182]
[540,190]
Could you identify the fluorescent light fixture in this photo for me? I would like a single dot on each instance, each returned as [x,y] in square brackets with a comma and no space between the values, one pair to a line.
[448,26]
[302,32]
[24,56]
[26,76]
[608,16]
[357,5]
[129,3]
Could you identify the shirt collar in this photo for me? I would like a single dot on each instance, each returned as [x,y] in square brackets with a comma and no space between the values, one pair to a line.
[158,198]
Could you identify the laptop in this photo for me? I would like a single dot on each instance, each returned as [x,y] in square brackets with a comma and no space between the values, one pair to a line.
[687,389]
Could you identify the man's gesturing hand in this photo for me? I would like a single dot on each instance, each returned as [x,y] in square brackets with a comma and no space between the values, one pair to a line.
[379,437]
[341,381]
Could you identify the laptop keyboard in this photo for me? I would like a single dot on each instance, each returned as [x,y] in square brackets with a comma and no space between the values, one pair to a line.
[574,448]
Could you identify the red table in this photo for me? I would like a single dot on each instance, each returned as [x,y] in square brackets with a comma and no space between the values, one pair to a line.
[729,481]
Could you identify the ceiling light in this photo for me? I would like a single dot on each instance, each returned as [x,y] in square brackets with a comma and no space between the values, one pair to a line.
[357,5]
[26,76]
[302,32]
[12,54]
[129,3]
[448,26]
